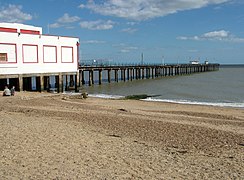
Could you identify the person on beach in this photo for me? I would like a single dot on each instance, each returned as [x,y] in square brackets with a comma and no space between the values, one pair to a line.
[6,91]
[12,91]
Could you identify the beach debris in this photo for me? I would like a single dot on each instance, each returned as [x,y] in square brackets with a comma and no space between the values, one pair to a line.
[182,151]
[76,96]
[84,95]
[121,109]
[64,98]
[114,135]
[241,144]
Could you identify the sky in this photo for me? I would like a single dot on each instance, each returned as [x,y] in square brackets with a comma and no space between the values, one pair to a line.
[124,31]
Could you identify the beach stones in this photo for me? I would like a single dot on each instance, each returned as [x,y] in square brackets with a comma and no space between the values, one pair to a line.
[84,95]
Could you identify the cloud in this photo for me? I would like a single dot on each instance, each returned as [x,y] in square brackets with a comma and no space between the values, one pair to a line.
[127,49]
[129,30]
[92,42]
[131,23]
[145,9]
[13,14]
[216,35]
[82,6]
[97,25]
[68,19]
[123,48]
[65,21]
[220,35]
[55,25]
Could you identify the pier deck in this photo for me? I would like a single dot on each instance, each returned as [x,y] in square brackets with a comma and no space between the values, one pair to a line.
[131,72]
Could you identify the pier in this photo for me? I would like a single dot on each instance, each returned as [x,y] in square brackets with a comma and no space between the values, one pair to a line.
[90,75]
[136,72]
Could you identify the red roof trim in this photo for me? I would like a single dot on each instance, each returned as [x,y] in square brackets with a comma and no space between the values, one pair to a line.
[25,31]
[3,29]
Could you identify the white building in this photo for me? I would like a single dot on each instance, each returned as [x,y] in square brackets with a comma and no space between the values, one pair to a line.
[194,62]
[27,53]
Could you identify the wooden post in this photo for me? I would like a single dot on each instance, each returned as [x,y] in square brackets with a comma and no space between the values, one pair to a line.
[82,77]
[128,74]
[133,73]
[66,82]
[109,75]
[123,74]
[116,75]
[149,72]
[90,77]
[100,76]
[142,73]
[152,72]
[137,73]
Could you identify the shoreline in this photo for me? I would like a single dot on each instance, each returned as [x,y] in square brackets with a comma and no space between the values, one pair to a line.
[48,136]
[183,102]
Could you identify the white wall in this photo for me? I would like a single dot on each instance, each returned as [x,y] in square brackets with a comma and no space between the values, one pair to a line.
[29,53]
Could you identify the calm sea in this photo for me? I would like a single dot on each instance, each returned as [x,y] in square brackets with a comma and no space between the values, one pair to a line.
[219,88]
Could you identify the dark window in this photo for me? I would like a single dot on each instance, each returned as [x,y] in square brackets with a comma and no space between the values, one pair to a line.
[3,57]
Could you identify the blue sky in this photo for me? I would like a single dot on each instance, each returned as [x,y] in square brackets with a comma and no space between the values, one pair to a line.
[121,30]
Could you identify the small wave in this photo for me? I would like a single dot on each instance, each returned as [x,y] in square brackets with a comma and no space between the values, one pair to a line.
[106,96]
[220,104]
[70,93]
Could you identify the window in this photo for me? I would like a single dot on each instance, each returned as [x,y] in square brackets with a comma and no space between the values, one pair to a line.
[3,57]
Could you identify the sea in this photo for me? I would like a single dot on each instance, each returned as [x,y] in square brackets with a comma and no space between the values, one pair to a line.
[224,88]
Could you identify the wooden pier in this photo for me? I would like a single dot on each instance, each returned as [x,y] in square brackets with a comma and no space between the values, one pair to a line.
[89,75]
[135,72]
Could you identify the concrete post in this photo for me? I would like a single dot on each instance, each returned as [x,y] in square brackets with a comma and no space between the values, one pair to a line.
[20,83]
[42,83]
[76,81]
[60,83]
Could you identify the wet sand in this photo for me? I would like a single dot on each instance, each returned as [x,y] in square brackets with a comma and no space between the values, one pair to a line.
[52,136]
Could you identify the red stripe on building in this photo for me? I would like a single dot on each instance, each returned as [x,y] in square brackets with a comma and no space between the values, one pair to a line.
[2,29]
[25,31]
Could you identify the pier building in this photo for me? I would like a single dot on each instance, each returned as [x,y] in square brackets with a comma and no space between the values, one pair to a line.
[31,60]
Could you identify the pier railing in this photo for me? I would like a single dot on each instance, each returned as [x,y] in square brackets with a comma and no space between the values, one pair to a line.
[140,71]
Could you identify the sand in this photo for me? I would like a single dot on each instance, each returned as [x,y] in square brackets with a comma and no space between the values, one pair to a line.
[52,136]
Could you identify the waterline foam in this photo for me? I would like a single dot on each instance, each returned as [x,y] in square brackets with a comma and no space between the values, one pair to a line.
[220,104]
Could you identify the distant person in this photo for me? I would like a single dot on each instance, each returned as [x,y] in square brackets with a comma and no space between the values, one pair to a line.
[12,90]
[6,91]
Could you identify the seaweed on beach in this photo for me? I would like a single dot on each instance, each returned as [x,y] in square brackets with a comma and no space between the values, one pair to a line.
[139,96]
